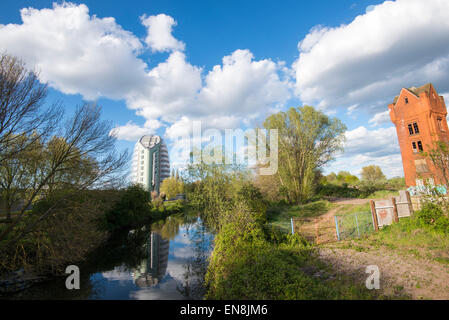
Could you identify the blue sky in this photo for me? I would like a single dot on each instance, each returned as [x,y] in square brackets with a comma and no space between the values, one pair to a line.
[156,66]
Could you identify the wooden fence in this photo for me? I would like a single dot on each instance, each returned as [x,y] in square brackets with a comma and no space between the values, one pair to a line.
[385,212]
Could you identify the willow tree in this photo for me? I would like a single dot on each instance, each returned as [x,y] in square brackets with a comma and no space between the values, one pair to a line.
[308,140]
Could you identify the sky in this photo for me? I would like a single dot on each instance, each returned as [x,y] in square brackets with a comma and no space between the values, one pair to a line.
[157,66]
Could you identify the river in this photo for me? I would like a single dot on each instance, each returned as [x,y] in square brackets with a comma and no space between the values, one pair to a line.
[165,260]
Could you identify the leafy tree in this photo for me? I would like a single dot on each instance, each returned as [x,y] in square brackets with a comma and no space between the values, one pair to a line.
[171,187]
[347,177]
[331,178]
[396,183]
[439,155]
[308,140]
[133,208]
[82,157]
[372,173]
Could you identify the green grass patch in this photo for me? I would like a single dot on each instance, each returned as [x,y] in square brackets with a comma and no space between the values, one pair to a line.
[408,237]
[353,208]
[244,265]
[382,194]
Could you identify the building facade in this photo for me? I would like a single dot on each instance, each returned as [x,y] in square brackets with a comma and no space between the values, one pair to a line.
[153,269]
[150,165]
[419,115]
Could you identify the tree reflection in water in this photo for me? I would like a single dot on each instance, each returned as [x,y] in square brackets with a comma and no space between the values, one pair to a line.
[139,261]
[196,266]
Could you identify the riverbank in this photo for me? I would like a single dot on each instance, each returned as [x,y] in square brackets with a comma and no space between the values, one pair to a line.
[75,230]
[163,260]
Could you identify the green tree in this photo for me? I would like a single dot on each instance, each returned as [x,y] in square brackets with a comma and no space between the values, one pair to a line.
[308,140]
[372,173]
[347,177]
[439,155]
[171,187]
[331,177]
[133,208]
[82,157]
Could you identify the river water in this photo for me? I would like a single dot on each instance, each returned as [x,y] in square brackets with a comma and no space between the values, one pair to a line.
[165,260]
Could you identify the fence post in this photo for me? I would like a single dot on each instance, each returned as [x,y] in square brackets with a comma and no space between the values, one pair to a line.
[336,227]
[293,228]
[395,209]
[357,222]
[373,212]
[410,204]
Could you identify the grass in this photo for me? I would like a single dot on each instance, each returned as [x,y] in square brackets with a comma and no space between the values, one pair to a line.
[383,194]
[254,268]
[280,216]
[408,238]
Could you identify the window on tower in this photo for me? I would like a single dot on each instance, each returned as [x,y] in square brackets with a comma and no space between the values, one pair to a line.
[440,124]
[413,128]
[406,100]
[420,146]
[415,150]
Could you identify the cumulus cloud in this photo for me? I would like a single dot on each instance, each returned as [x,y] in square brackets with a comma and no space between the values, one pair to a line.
[393,45]
[365,147]
[243,86]
[159,35]
[76,52]
[380,118]
[132,132]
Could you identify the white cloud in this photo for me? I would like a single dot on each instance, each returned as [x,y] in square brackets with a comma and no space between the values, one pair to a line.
[380,118]
[243,86]
[76,52]
[132,132]
[159,36]
[378,142]
[365,147]
[79,53]
[171,90]
[393,45]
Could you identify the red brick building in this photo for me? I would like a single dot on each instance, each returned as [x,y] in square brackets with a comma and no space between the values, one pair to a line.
[419,115]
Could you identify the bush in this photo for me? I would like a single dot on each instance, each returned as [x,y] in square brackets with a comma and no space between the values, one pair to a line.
[133,208]
[66,236]
[340,191]
[432,215]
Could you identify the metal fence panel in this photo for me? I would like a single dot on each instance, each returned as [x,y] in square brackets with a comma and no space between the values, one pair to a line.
[354,225]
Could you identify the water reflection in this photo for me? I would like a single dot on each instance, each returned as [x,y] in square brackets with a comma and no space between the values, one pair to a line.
[154,267]
[167,260]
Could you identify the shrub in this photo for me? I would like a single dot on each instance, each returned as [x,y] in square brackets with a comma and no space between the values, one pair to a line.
[133,208]
[340,191]
[66,236]
[432,215]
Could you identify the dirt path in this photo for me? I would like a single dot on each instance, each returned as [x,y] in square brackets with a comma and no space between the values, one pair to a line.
[400,274]
[417,278]
[340,202]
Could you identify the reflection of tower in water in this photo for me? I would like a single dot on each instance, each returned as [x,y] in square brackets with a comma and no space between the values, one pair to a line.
[153,269]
